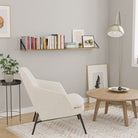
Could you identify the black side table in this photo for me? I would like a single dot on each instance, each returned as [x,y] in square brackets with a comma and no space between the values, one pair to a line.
[15,82]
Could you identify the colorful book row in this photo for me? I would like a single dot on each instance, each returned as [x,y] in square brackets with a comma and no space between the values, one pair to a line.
[54,41]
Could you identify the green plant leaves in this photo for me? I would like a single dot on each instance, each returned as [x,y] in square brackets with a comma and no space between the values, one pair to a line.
[1,55]
[9,65]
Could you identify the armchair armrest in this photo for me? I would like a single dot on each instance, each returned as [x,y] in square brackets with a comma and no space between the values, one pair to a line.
[76,100]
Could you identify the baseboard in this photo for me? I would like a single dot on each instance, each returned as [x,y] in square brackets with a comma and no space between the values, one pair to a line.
[91,100]
[135,102]
[23,111]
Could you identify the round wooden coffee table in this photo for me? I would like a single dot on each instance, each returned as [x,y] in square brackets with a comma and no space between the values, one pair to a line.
[103,94]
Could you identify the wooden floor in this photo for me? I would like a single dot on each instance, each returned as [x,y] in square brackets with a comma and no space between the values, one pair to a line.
[4,133]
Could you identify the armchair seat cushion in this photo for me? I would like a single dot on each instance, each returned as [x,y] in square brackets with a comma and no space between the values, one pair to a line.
[76,100]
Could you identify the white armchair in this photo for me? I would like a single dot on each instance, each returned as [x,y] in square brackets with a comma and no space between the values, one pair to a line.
[50,100]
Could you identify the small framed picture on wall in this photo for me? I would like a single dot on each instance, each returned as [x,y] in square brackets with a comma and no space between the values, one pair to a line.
[88,41]
[5,21]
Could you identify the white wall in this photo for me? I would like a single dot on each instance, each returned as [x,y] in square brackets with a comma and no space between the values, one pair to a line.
[33,17]
[129,77]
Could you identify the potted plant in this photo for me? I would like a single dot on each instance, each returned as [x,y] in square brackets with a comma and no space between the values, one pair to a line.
[9,66]
[80,45]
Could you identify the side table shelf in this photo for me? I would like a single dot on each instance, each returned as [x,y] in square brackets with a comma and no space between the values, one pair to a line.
[15,82]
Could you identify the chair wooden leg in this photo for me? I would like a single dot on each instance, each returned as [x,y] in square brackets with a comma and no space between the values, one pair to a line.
[34,116]
[125,113]
[82,123]
[96,109]
[134,109]
[37,115]
[106,107]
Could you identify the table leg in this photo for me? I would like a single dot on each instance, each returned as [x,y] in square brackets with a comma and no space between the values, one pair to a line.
[125,113]
[89,100]
[106,107]
[7,104]
[96,109]
[11,99]
[19,103]
[134,108]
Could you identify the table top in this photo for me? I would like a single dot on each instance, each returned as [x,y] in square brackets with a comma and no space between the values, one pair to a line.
[106,95]
[15,82]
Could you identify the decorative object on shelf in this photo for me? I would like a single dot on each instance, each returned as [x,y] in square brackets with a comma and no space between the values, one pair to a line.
[97,76]
[5,22]
[53,41]
[117,31]
[77,36]
[9,66]
[80,45]
[71,45]
[88,41]
[115,89]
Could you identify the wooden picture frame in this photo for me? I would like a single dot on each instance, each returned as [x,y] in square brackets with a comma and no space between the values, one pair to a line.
[5,21]
[97,77]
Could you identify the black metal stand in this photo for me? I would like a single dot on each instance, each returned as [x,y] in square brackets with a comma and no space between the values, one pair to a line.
[36,115]
[22,46]
[15,82]
[96,44]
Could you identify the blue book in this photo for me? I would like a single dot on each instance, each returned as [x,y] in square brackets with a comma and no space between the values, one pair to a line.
[71,43]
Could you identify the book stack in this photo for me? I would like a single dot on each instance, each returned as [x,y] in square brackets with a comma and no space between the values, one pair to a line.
[54,41]
[71,45]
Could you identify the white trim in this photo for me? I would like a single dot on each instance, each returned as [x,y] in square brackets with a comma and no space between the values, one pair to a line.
[131,103]
[23,111]
[91,100]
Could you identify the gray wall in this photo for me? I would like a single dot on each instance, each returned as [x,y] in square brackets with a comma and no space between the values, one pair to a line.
[33,17]
[129,77]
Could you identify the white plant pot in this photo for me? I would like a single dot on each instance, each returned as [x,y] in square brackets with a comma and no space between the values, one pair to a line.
[8,77]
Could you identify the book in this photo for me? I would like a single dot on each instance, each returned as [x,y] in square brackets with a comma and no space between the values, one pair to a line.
[63,41]
[58,41]
[30,41]
[33,43]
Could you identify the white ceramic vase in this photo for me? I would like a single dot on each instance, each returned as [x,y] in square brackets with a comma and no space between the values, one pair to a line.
[8,77]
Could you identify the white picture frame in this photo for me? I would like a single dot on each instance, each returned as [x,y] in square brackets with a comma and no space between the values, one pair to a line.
[5,21]
[88,41]
[97,75]
[77,35]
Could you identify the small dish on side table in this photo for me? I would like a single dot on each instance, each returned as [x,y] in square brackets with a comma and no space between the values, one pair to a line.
[115,89]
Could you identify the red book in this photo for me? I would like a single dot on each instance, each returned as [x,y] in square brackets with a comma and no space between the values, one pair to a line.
[33,43]
[27,39]
[60,41]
